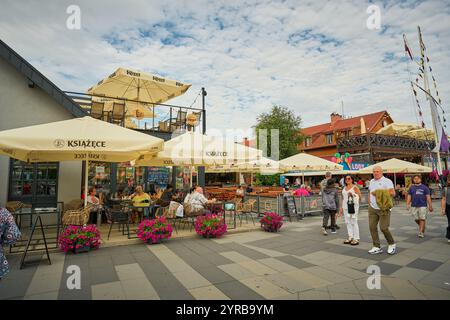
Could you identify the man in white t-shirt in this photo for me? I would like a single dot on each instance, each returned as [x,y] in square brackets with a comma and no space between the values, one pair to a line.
[376,216]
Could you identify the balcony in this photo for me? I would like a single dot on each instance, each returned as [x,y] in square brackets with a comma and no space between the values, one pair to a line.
[384,144]
[162,119]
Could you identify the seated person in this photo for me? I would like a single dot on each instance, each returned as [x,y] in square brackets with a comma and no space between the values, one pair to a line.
[97,206]
[240,192]
[166,197]
[139,199]
[177,196]
[249,189]
[197,202]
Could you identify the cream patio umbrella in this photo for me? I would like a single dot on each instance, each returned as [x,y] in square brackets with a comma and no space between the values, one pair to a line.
[84,139]
[261,165]
[306,162]
[397,128]
[196,149]
[144,88]
[363,126]
[397,166]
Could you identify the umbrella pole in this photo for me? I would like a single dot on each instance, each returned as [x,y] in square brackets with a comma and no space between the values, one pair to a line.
[395,179]
[86,179]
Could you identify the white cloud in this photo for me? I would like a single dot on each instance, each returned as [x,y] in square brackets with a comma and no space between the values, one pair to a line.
[249,55]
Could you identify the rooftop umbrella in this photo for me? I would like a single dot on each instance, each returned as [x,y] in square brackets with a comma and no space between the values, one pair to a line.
[397,166]
[144,88]
[85,139]
[195,149]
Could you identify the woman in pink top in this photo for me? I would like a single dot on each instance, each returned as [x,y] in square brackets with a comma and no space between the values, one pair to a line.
[301,192]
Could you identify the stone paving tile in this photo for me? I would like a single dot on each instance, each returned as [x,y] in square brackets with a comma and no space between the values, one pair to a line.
[387,268]
[308,278]
[296,262]
[437,280]
[345,296]
[361,285]
[343,287]
[345,271]
[257,268]
[402,289]
[288,283]
[267,252]
[208,293]
[215,275]
[374,297]
[359,264]
[129,272]
[139,288]
[235,290]
[235,256]
[237,271]
[53,295]
[436,257]
[328,275]
[264,288]
[411,274]
[314,295]
[102,275]
[432,293]
[125,258]
[277,265]
[424,264]
[444,269]
[246,251]
[108,291]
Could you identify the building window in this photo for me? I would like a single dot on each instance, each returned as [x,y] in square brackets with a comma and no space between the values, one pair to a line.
[329,138]
[33,183]
[308,141]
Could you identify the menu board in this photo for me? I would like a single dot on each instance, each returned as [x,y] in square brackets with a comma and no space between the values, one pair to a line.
[290,205]
[159,176]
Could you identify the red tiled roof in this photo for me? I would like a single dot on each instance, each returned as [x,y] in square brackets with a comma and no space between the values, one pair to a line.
[370,120]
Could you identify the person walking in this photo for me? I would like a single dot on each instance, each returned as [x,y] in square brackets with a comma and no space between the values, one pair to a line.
[323,183]
[418,201]
[381,191]
[445,206]
[350,209]
[330,202]
[9,234]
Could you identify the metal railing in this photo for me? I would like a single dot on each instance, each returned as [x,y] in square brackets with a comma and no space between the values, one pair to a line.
[166,118]
[370,140]
[306,206]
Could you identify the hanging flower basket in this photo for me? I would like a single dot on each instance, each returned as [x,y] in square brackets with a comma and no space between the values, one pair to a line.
[78,239]
[271,222]
[210,226]
[155,230]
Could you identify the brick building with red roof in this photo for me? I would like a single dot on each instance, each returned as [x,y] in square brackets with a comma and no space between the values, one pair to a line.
[321,140]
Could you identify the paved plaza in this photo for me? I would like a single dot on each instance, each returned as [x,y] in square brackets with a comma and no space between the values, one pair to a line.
[297,263]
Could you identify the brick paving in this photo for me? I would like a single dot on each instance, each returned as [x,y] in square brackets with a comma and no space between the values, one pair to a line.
[297,263]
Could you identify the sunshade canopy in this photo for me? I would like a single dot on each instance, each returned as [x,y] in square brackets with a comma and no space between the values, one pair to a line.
[307,162]
[196,149]
[320,173]
[138,85]
[262,165]
[398,128]
[397,166]
[77,139]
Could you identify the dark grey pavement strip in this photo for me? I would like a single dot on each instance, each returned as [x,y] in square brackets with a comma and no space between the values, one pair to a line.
[295,262]
[424,264]
[388,268]
[235,290]
[250,253]
[166,285]
[86,273]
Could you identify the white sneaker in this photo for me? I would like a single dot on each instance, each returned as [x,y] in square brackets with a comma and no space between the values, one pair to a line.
[421,235]
[375,250]
[324,231]
[391,249]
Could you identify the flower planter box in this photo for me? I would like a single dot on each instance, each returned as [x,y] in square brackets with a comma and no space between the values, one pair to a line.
[81,249]
[271,222]
[210,226]
[157,228]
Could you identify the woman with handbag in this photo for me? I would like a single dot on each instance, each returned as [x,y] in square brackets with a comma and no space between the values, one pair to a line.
[350,208]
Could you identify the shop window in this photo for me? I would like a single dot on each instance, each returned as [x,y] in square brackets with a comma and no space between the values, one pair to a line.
[329,138]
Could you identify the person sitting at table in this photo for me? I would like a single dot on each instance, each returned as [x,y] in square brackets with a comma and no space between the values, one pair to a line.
[177,196]
[188,196]
[240,192]
[96,204]
[198,202]
[141,200]
[249,189]
[164,201]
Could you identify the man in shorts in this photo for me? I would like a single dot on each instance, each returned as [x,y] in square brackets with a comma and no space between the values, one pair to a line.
[418,201]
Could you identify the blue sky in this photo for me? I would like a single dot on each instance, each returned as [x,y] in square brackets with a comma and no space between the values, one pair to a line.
[249,55]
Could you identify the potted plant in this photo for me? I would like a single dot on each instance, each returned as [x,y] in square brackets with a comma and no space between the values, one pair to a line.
[271,222]
[153,231]
[210,226]
[79,239]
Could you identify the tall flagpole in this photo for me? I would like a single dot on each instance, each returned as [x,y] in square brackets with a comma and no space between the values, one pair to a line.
[429,98]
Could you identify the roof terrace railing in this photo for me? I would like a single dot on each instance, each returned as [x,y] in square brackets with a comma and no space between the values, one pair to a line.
[165,118]
[371,140]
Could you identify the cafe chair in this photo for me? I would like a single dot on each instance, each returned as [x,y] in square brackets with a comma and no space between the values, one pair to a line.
[119,216]
[246,209]
[78,217]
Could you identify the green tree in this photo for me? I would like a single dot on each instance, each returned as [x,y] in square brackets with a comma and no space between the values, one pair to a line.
[288,125]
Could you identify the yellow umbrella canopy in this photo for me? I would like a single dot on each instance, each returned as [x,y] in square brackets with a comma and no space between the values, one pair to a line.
[77,139]
[196,149]
[140,86]
[397,166]
[261,165]
[307,162]
[397,128]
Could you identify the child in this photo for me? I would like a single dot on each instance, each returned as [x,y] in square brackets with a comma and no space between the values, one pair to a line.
[330,203]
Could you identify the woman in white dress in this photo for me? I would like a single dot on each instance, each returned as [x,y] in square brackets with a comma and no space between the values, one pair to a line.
[351,194]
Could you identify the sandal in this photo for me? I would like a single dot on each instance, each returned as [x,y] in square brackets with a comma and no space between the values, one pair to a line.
[348,241]
[354,242]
